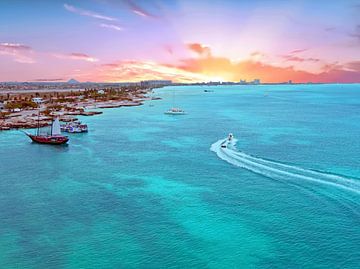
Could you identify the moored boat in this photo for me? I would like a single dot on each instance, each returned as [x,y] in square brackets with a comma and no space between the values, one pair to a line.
[74,127]
[54,138]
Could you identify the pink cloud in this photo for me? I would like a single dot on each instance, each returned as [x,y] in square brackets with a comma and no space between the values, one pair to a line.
[297,51]
[138,10]
[292,58]
[21,53]
[76,56]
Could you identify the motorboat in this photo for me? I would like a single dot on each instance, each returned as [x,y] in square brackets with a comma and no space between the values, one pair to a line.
[175,111]
[228,141]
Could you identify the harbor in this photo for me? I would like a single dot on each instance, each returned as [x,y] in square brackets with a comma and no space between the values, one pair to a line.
[28,108]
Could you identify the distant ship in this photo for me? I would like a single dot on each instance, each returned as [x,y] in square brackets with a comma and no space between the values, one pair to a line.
[175,111]
[54,138]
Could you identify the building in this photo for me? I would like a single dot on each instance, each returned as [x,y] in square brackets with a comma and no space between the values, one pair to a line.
[37,100]
[149,83]
[101,92]
[256,81]
[2,105]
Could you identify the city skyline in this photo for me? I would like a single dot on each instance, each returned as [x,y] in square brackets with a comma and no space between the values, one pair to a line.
[182,41]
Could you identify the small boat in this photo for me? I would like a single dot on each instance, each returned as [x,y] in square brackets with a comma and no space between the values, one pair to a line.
[208,91]
[54,138]
[227,141]
[74,127]
[175,111]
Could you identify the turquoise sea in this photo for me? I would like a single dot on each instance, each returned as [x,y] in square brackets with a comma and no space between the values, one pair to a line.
[144,190]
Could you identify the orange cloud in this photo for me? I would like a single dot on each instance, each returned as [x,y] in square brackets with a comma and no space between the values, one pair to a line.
[141,70]
[230,71]
[212,68]
[199,49]
[215,69]
[220,67]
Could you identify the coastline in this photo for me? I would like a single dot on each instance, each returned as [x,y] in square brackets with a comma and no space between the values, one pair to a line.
[65,104]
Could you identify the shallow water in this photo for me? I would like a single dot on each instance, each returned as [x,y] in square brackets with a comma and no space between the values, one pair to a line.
[143,190]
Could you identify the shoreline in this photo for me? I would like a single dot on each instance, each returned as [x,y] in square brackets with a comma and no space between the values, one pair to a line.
[65,105]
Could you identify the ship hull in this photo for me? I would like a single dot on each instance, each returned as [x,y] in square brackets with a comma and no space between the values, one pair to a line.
[51,140]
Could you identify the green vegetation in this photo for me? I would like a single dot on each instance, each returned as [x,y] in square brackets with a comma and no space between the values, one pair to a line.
[23,104]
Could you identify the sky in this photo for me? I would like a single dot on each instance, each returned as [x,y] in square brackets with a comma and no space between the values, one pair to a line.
[180,40]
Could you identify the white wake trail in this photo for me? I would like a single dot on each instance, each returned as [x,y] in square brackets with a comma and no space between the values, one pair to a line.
[278,170]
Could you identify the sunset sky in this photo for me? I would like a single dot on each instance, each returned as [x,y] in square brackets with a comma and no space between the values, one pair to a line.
[184,40]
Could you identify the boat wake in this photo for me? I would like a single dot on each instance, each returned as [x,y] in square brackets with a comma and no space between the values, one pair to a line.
[277,170]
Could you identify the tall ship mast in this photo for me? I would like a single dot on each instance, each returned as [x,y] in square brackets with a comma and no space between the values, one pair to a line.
[54,138]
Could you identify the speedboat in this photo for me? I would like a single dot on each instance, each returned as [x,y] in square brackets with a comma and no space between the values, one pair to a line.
[175,111]
[228,141]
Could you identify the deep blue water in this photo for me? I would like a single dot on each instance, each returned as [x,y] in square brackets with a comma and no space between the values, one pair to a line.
[143,190]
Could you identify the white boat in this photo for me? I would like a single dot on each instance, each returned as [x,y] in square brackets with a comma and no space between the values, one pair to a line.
[228,141]
[175,111]
[74,127]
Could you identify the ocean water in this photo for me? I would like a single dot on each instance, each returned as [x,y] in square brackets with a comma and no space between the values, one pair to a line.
[145,190]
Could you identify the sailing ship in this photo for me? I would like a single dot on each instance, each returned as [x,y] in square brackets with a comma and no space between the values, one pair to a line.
[174,110]
[54,138]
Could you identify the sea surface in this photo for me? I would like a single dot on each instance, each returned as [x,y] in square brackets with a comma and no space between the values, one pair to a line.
[147,190]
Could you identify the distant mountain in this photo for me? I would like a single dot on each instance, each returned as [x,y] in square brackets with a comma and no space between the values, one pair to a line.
[73,81]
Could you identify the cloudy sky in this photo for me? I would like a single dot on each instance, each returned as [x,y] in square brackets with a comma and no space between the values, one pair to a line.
[181,40]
